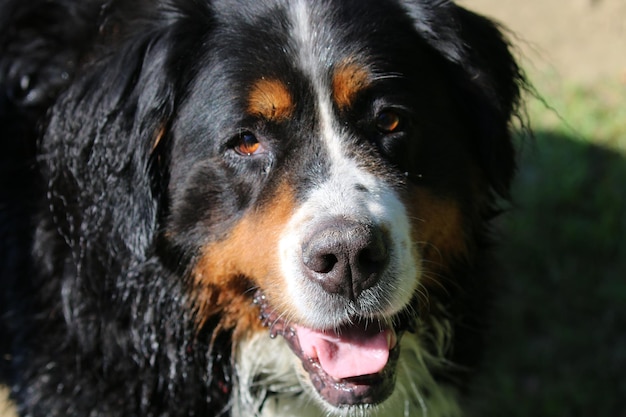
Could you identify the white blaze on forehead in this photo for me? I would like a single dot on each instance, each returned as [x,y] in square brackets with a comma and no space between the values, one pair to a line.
[305,36]
[312,61]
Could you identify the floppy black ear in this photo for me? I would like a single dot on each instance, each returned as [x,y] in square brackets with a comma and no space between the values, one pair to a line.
[98,155]
[494,87]
[487,76]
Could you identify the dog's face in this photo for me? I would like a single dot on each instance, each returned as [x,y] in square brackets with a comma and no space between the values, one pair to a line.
[326,170]
[325,164]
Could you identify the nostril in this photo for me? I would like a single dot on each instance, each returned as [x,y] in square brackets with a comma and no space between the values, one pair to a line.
[372,259]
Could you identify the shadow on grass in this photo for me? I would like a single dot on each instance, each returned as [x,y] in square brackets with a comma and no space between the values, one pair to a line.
[559,338]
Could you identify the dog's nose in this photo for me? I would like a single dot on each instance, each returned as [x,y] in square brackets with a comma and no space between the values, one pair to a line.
[346,257]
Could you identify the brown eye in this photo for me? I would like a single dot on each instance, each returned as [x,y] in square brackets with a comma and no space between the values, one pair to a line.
[388,121]
[248,144]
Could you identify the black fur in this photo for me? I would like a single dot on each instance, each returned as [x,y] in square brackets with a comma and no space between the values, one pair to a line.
[103,207]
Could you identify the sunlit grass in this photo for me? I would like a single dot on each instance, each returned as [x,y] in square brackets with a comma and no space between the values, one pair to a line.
[594,112]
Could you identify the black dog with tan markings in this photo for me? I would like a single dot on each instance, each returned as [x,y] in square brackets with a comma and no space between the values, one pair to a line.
[248,208]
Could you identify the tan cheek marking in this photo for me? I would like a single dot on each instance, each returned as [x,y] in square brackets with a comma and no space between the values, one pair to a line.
[271,100]
[438,226]
[348,80]
[227,269]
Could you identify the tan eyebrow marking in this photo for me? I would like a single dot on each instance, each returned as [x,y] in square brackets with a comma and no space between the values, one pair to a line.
[348,79]
[270,99]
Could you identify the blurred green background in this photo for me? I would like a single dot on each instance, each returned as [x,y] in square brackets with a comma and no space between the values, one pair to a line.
[558,346]
[558,343]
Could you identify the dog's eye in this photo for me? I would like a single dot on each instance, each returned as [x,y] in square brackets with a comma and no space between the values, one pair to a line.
[388,121]
[247,144]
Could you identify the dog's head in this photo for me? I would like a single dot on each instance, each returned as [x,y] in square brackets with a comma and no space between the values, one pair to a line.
[324,165]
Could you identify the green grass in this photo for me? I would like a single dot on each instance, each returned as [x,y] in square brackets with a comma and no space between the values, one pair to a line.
[594,113]
[559,337]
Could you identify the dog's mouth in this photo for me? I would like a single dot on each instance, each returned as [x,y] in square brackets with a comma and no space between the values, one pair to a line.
[352,365]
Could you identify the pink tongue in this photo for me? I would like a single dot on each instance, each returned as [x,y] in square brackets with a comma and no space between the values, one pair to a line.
[354,352]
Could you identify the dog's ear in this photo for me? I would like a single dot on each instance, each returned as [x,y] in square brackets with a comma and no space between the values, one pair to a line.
[487,76]
[99,152]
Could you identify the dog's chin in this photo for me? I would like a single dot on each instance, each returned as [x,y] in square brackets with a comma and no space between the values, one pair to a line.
[352,365]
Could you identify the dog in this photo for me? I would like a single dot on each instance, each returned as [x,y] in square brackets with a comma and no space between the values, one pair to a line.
[249,208]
